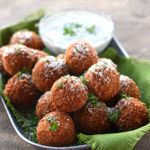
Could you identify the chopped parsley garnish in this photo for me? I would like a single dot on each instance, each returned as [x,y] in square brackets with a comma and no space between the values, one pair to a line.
[70,29]
[93,99]
[17,50]
[83,80]
[47,60]
[60,85]
[91,29]
[53,124]
[123,95]
[77,25]
[26,119]
[20,73]
[113,115]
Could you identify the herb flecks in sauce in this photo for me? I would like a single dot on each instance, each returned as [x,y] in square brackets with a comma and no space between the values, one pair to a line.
[53,124]
[91,29]
[71,29]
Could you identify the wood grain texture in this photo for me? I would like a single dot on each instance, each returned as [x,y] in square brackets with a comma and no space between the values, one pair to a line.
[132,22]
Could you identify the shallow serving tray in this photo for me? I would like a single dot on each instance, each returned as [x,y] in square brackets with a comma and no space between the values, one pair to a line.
[120,50]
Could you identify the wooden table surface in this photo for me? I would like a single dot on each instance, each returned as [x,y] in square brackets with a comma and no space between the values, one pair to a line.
[132,23]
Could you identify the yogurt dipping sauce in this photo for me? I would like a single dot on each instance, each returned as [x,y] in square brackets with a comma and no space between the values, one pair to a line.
[60,29]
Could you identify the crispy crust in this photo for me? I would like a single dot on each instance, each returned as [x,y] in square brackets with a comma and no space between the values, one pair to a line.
[15,57]
[28,38]
[65,134]
[80,56]
[21,91]
[69,94]
[134,114]
[92,120]
[129,87]
[44,105]
[103,79]
[1,62]
[46,71]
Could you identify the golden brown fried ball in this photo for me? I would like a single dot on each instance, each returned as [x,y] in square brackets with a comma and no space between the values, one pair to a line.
[129,87]
[69,94]
[21,90]
[46,71]
[133,114]
[45,105]
[103,79]
[56,129]
[80,56]
[92,118]
[28,38]
[38,54]
[16,57]
[1,62]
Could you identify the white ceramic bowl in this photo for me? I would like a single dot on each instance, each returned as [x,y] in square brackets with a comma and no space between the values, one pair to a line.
[60,29]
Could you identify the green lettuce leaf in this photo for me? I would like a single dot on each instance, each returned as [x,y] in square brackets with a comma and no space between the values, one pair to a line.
[114,141]
[29,22]
[139,71]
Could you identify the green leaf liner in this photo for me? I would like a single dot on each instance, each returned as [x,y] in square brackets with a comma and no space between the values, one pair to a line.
[30,22]
[138,70]
[114,141]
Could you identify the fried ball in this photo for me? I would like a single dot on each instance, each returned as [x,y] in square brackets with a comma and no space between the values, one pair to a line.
[60,56]
[92,118]
[28,38]
[21,90]
[129,87]
[80,56]
[45,105]
[46,71]
[56,129]
[16,57]
[69,94]
[132,114]
[1,62]
[38,54]
[103,79]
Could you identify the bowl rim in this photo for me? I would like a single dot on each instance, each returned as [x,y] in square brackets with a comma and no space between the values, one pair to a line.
[47,15]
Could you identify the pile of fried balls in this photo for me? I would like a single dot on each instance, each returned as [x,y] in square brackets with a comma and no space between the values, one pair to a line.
[73,92]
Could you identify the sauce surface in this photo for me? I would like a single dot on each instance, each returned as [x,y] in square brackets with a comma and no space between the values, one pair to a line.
[62,28]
